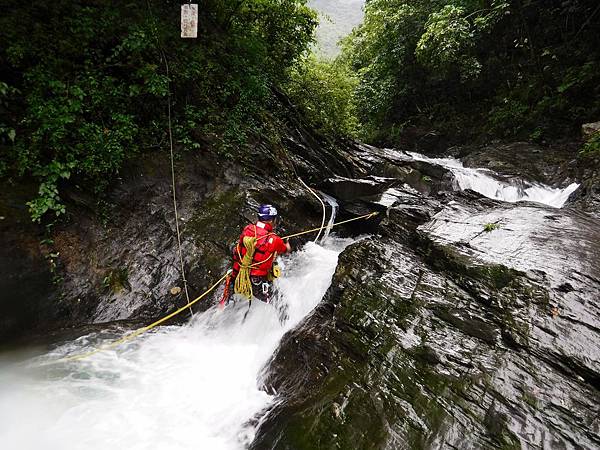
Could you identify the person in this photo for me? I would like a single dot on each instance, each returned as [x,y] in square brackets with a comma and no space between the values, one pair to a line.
[268,246]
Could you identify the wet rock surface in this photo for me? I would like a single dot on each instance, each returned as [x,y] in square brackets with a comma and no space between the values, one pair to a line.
[556,165]
[458,322]
[462,322]
[132,269]
[122,262]
[27,291]
[552,165]
[588,196]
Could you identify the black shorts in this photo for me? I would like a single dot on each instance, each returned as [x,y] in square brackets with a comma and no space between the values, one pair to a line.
[262,289]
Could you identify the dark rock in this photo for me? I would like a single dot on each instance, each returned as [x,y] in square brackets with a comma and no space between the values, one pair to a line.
[437,335]
[590,129]
[347,189]
[438,331]
[544,164]
[28,271]
[121,263]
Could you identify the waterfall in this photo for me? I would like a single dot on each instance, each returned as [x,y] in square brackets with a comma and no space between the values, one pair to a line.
[195,386]
[334,208]
[482,181]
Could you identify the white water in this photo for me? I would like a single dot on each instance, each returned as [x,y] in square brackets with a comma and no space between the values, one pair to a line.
[480,181]
[389,197]
[334,208]
[180,387]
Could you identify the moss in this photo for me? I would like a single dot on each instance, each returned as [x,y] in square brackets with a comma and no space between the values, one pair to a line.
[499,276]
[489,227]
[591,146]
[428,391]
[471,327]
[104,212]
[497,428]
[530,399]
[117,280]
[405,376]
[360,401]
[446,259]
[219,219]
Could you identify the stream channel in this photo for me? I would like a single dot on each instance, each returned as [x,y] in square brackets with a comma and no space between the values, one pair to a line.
[200,385]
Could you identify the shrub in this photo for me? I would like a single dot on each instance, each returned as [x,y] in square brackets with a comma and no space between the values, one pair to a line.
[324,92]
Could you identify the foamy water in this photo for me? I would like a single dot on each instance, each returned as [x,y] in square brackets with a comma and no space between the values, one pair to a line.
[479,180]
[195,386]
[332,202]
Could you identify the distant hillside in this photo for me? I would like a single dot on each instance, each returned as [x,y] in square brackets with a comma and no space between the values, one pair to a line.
[337,17]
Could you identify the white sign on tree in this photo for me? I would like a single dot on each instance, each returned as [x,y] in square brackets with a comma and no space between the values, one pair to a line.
[189,20]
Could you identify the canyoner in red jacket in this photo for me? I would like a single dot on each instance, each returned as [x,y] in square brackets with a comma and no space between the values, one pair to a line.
[268,246]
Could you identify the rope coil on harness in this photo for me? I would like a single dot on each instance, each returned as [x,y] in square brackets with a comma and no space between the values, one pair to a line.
[243,285]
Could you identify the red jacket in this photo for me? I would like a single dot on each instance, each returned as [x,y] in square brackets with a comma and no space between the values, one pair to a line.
[267,244]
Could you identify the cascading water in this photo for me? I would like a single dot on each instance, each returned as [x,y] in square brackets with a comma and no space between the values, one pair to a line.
[480,181]
[178,387]
[334,208]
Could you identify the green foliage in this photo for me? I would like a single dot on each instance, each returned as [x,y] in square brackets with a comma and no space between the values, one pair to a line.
[381,52]
[52,258]
[116,280]
[508,117]
[324,91]
[489,227]
[446,43]
[48,199]
[7,132]
[506,68]
[84,86]
[592,146]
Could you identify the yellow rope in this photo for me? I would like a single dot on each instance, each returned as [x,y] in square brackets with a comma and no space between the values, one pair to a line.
[243,285]
[142,330]
[366,216]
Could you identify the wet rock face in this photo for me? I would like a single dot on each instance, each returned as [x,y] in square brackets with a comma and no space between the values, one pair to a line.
[122,263]
[552,165]
[443,331]
[460,322]
[588,196]
[129,268]
[348,189]
[556,165]
[27,291]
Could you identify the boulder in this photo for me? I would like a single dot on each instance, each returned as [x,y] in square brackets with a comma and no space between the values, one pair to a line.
[590,129]
[436,333]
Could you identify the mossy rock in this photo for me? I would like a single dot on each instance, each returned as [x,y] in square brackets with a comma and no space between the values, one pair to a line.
[219,219]
[117,280]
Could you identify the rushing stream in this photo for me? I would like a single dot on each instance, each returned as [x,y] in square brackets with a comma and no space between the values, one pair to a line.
[452,333]
[461,323]
[196,386]
[483,181]
[331,201]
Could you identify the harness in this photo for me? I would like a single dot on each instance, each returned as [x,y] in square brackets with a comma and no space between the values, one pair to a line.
[256,243]
[247,259]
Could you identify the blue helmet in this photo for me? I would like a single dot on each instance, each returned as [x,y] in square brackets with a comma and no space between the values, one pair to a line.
[267,212]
